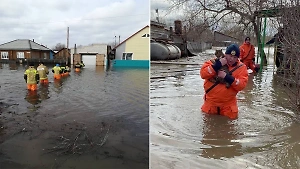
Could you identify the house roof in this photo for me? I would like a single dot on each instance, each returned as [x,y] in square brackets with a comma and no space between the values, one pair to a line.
[23,44]
[62,50]
[130,37]
[216,32]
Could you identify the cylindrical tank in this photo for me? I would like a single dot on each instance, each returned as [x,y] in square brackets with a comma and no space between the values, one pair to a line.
[160,51]
[178,27]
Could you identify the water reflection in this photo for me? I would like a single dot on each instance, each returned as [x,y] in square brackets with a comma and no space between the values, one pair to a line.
[100,70]
[32,97]
[13,66]
[44,91]
[57,85]
[218,135]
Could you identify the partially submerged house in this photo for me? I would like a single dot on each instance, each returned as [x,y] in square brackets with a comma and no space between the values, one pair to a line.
[133,51]
[63,54]
[21,50]
[91,55]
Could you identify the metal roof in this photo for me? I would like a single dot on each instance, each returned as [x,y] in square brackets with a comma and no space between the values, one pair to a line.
[23,44]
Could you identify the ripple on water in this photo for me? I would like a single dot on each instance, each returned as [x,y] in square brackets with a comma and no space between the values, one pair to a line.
[264,135]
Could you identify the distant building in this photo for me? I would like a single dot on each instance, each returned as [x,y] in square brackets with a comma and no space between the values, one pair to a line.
[134,51]
[21,50]
[91,55]
[221,39]
[63,54]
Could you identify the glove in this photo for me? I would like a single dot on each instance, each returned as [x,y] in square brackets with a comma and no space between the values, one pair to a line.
[52,71]
[223,61]
[253,59]
[221,74]
[37,82]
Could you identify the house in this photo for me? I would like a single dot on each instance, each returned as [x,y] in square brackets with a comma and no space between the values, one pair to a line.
[134,51]
[63,54]
[91,55]
[21,50]
[221,39]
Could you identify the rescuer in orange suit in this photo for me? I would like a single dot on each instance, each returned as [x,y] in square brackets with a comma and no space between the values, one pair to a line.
[224,78]
[247,55]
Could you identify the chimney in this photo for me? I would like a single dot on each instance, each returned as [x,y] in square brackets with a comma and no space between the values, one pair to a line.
[171,30]
[178,27]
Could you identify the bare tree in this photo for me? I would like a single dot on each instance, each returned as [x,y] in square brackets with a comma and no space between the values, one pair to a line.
[59,46]
[290,70]
[231,12]
[237,18]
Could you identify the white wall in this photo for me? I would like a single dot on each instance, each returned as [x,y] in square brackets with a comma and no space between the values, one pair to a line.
[93,49]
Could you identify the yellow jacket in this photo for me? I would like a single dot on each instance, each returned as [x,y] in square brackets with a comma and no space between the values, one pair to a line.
[56,70]
[43,71]
[31,75]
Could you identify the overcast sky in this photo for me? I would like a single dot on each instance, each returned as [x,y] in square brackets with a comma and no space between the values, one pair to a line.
[165,13]
[89,21]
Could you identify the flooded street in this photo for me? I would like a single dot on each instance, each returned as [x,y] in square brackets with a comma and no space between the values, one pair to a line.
[96,118]
[265,135]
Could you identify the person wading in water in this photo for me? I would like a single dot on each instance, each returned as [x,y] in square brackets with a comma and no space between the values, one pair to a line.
[31,77]
[43,72]
[224,78]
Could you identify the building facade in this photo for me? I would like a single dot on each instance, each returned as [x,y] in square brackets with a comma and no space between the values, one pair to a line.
[91,55]
[24,49]
[134,51]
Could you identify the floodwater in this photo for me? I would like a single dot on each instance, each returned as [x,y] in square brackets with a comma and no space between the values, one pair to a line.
[265,135]
[96,118]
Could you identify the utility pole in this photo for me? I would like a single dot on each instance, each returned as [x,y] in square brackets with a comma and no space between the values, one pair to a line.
[115,40]
[67,54]
[68,38]
[157,18]
[119,39]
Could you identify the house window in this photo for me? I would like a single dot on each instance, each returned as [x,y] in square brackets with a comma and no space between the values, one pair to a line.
[127,56]
[146,35]
[20,55]
[4,55]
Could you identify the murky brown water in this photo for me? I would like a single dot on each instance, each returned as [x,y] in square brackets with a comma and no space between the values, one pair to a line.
[266,134]
[92,119]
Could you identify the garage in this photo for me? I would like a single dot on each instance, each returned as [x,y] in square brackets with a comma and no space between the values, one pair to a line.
[89,60]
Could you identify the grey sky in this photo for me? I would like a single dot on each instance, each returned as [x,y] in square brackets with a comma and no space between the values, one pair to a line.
[89,21]
[165,13]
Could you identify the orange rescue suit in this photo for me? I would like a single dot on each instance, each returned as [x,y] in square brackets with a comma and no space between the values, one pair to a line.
[221,99]
[247,55]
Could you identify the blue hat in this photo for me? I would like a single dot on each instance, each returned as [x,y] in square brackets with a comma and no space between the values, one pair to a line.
[57,64]
[233,50]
